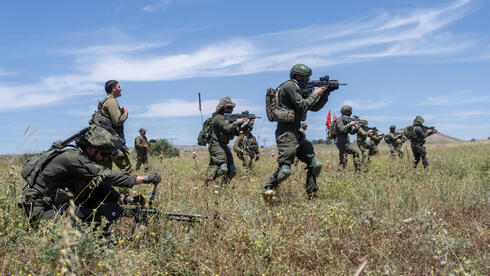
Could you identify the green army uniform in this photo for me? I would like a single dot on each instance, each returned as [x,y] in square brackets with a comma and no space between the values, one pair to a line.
[342,131]
[373,144]
[394,142]
[362,136]
[220,155]
[141,146]
[67,177]
[246,148]
[417,144]
[109,108]
[291,143]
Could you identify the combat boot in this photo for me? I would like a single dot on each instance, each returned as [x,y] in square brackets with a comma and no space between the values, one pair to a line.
[270,196]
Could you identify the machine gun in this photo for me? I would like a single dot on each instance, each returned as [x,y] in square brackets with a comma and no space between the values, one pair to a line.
[323,81]
[245,114]
[143,214]
[61,144]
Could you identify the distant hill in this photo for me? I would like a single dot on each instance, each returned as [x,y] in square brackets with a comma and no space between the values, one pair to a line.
[438,138]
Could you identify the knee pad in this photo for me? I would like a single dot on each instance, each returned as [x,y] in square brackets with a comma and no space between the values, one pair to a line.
[284,172]
[232,171]
[222,169]
[316,166]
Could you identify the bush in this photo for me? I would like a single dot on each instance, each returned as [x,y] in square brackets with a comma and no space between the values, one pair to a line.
[162,146]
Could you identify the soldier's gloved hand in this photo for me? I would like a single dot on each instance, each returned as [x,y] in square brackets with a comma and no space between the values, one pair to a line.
[154,178]
[333,86]
[135,200]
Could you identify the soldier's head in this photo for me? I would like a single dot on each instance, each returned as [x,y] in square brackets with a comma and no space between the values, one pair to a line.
[113,87]
[375,130]
[392,128]
[304,126]
[346,110]
[97,143]
[418,121]
[142,131]
[300,72]
[225,105]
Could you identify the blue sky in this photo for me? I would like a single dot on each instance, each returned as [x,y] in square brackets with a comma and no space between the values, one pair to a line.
[399,58]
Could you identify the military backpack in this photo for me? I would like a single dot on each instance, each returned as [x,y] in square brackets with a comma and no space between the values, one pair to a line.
[275,112]
[206,132]
[410,132]
[331,130]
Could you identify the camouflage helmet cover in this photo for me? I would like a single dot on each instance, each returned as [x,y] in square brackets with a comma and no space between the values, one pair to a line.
[418,121]
[142,129]
[300,70]
[392,127]
[98,138]
[345,108]
[224,102]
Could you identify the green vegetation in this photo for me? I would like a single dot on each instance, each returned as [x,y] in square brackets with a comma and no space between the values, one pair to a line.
[396,219]
[163,147]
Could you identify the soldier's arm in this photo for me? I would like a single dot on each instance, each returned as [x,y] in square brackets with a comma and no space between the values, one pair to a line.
[299,104]
[317,105]
[139,143]
[344,128]
[421,133]
[362,132]
[225,126]
[117,118]
[81,167]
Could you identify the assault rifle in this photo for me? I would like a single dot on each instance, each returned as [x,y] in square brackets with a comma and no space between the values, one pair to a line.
[245,114]
[152,141]
[323,81]
[426,128]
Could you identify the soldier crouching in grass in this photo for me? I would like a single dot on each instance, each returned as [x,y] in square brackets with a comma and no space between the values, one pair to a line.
[221,133]
[76,174]
[291,143]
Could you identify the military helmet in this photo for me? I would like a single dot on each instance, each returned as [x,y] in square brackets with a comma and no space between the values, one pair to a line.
[224,102]
[392,127]
[345,108]
[98,138]
[142,129]
[300,70]
[418,120]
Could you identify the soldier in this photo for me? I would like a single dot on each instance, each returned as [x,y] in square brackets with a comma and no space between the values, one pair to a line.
[362,136]
[373,142]
[246,147]
[115,116]
[290,141]
[342,131]
[395,141]
[417,143]
[75,173]
[222,132]
[141,145]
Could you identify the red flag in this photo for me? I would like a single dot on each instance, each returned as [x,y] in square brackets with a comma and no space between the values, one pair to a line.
[329,119]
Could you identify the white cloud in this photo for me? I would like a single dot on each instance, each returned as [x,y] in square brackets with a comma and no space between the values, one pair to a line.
[157,5]
[4,73]
[420,32]
[463,97]
[368,104]
[183,108]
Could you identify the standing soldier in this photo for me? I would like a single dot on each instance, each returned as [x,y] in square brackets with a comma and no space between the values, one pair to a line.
[418,140]
[342,131]
[221,133]
[362,136]
[141,145]
[246,147]
[373,142]
[395,141]
[290,142]
[111,116]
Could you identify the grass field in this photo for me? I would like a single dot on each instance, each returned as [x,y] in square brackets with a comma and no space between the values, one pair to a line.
[392,219]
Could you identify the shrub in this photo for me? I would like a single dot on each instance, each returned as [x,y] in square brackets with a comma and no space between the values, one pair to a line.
[162,146]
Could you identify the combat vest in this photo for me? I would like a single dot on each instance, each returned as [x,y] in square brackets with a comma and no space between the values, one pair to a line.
[106,123]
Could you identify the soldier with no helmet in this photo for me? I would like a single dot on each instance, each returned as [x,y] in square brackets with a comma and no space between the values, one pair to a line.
[417,143]
[342,131]
[246,146]
[222,132]
[110,110]
[141,145]
[290,141]
[76,173]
